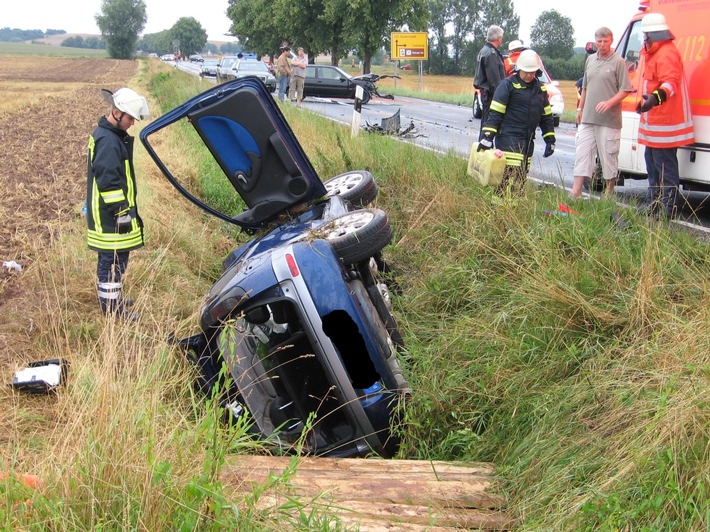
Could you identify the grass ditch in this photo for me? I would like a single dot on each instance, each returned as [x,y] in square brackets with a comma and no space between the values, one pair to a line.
[571,352]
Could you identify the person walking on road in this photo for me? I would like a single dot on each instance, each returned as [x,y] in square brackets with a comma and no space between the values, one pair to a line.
[520,105]
[666,121]
[283,69]
[604,85]
[490,70]
[298,78]
[114,227]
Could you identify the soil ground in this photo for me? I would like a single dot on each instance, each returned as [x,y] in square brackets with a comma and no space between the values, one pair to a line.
[43,170]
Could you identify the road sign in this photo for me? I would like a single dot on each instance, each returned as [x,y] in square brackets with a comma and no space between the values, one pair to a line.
[409,46]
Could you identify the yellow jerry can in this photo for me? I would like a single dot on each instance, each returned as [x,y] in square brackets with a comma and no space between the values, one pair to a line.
[486,166]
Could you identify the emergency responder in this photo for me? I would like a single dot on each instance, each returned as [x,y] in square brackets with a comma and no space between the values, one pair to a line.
[666,121]
[114,226]
[489,70]
[520,105]
[514,49]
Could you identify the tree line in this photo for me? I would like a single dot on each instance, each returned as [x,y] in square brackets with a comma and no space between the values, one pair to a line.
[341,28]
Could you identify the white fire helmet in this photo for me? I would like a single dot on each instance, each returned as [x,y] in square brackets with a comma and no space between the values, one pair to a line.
[653,22]
[528,61]
[128,101]
[515,45]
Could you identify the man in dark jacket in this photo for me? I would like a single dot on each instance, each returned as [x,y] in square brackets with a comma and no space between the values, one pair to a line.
[489,69]
[520,105]
[114,226]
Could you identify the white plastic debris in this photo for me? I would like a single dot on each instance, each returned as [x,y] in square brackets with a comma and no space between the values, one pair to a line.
[12,266]
[49,374]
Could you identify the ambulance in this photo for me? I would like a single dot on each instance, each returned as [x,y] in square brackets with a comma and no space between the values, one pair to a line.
[688,22]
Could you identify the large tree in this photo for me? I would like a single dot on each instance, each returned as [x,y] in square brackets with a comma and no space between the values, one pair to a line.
[191,35]
[120,22]
[552,35]
[254,24]
[372,21]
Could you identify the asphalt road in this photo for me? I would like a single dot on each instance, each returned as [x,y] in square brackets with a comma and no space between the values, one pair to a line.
[444,127]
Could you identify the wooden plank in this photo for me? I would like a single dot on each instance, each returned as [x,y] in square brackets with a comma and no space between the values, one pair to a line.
[375,494]
[435,467]
[386,515]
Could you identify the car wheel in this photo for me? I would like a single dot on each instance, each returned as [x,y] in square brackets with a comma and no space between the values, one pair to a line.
[366,96]
[358,187]
[357,235]
[477,109]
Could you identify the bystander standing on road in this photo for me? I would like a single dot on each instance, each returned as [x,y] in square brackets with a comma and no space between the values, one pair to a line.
[114,227]
[283,69]
[298,77]
[666,121]
[604,85]
[489,69]
[520,105]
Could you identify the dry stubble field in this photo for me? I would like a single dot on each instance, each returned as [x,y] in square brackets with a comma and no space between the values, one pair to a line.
[50,106]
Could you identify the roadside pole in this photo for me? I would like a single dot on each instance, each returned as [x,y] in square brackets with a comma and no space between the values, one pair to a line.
[357,111]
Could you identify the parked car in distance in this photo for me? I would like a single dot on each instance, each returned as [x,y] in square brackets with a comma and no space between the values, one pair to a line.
[223,67]
[196,58]
[325,81]
[168,57]
[209,68]
[557,101]
[296,337]
[248,67]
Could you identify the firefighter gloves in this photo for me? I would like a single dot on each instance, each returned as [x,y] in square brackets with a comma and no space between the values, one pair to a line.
[652,100]
[486,142]
[549,149]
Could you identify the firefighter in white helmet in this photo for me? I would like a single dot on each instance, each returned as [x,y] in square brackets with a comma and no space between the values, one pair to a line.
[520,105]
[114,226]
[666,121]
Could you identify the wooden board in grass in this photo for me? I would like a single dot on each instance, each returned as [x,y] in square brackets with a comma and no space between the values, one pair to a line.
[375,494]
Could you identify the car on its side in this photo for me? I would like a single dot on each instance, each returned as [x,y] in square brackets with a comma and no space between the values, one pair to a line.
[297,337]
[248,67]
[209,68]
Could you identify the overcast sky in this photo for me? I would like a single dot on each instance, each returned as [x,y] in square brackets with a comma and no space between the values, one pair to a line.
[79,18]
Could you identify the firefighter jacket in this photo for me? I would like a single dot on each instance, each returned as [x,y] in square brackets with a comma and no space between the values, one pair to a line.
[670,124]
[517,110]
[489,68]
[510,62]
[111,191]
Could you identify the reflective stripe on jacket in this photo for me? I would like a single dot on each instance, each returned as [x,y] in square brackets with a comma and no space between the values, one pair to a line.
[670,124]
[111,190]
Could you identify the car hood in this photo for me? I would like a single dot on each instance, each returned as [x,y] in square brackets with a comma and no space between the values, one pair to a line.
[249,138]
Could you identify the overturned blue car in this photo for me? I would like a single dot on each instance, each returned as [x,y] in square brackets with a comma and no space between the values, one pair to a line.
[297,336]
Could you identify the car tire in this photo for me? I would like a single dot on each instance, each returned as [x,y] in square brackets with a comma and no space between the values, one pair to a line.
[357,235]
[358,187]
[366,96]
[477,109]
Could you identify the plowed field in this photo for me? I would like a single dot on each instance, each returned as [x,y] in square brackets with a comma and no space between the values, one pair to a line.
[50,105]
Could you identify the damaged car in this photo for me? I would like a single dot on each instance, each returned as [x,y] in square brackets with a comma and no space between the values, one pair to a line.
[297,337]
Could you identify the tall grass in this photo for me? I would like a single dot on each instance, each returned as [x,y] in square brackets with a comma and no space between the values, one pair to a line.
[570,351]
